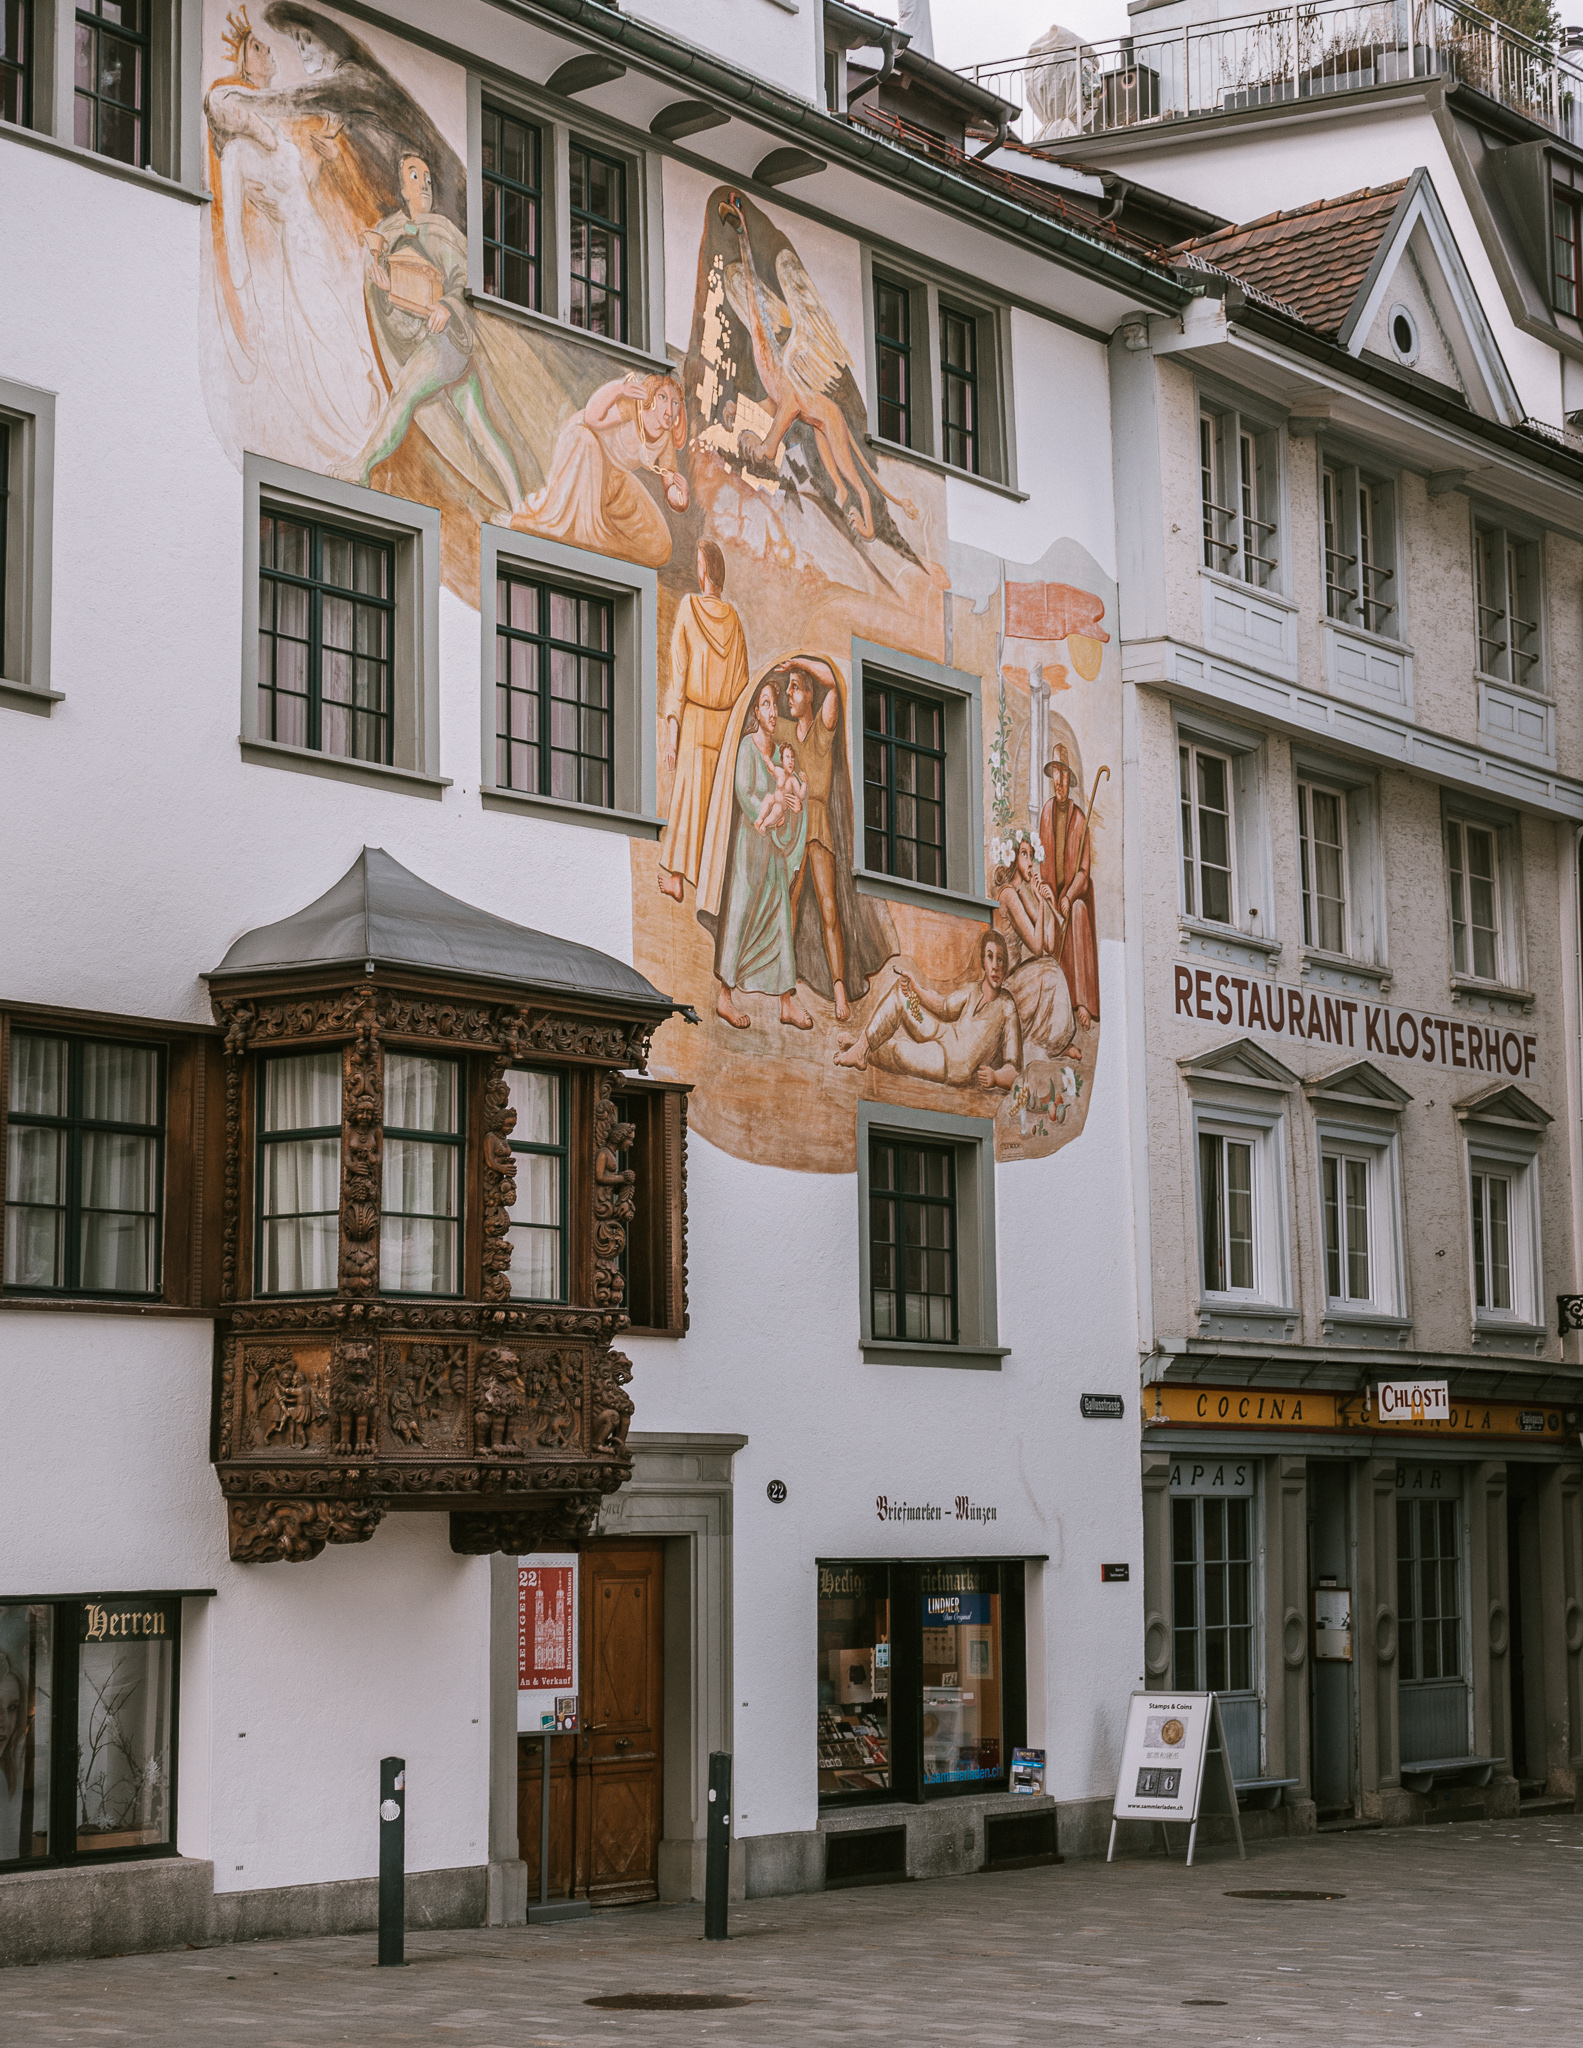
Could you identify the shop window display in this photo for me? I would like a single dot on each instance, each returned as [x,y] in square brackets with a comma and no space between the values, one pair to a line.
[921,1677]
[87,1729]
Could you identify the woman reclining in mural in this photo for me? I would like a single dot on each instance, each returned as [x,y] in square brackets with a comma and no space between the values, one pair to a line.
[593,498]
[1037,982]
[839,937]
[968,1039]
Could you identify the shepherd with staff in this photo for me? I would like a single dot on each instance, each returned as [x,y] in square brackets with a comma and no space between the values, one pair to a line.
[1067,844]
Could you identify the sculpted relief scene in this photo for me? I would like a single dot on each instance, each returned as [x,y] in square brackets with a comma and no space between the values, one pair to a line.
[796,768]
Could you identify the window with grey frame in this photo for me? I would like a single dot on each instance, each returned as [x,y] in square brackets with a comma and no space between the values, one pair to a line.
[112,67]
[1428,1590]
[513,190]
[1359,517]
[598,213]
[1239,491]
[893,358]
[1566,246]
[1212,1612]
[85,1134]
[904,784]
[960,405]
[555,678]
[912,1240]
[17,63]
[326,632]
[1507,596]
[6,432]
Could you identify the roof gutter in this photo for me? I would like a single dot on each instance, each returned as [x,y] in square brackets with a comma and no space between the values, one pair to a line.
[861,150]
[866,30]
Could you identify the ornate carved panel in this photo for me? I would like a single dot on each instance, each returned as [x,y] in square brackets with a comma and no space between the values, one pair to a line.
[332,1410]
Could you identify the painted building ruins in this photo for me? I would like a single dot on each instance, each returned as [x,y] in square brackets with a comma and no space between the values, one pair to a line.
[793,864]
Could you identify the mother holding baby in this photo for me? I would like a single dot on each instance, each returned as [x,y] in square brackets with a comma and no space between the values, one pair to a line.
[747,900]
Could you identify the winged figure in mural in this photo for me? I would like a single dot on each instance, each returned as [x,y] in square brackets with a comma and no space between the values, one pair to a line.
[801,361]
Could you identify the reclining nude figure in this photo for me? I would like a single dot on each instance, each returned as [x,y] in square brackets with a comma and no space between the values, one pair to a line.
[969,1038]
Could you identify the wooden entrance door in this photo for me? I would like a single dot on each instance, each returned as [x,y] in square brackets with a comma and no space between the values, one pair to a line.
[606,1782]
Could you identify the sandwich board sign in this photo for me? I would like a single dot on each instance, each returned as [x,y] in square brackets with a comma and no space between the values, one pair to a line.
[1175,1765]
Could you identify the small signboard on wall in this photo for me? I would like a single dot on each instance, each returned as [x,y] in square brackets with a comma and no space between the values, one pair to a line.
[546,1637]
[1174,1764]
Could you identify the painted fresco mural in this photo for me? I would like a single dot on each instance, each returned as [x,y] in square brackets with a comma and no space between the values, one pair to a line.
[338,335]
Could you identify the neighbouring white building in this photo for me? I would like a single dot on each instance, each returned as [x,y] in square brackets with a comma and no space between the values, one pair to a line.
[563,727]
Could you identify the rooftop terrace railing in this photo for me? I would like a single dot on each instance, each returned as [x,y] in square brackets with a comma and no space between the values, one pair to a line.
[1286,53]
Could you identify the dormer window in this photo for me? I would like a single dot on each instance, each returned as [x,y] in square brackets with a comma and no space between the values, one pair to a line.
[1567,251]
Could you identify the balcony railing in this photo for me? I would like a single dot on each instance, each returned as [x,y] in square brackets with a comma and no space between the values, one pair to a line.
[1286,53]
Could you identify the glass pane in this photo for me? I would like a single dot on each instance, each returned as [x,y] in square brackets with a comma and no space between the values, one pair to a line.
[35,1247]
[852,1679]
[303,1092]
[417,1255]
[1330,1178]
[120,1084]
[420,1094]
[538,1189]
[123,1734]
[1358,1229]
[38,1076]
[961,1676]
[119,1190]
[300,1255]
[419,1178]
[1239,1214]
[535,1263]
[27,1639]
[302,1177]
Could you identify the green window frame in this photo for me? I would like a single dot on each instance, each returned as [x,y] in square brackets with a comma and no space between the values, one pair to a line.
[1212,1604]
[1428,1590]
[302,1135]
[893,358]
[112,59]
[326,637]
[904,788]
[513,190]
[912,1241]
[598,211]
[543,1197]
[555,684]
[432,1156]
[73,1158]
[16,62]
[959,389]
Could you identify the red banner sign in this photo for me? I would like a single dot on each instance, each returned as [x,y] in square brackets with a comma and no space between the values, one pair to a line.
[546,1619]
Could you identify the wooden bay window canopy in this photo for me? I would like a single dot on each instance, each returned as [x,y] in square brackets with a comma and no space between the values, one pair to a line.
[426,1194]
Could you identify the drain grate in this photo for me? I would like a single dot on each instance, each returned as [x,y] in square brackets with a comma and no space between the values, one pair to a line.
[665,2001]
[1285,1895]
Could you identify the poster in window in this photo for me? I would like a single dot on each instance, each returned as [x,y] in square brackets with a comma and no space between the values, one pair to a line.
[546,1624]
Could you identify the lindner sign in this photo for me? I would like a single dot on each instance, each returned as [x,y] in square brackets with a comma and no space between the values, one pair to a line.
[1278,1009]
[1413,1401]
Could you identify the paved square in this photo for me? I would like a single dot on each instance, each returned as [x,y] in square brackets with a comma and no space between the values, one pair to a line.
[1464,1934]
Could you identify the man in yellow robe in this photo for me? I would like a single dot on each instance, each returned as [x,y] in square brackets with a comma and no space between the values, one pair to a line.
[709,672]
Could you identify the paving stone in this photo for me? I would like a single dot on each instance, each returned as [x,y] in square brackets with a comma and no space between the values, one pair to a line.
[1462,1935]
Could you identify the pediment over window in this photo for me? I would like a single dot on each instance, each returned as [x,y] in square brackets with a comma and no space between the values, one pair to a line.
[1360,1085]
[1503,1104]
[433,1149]
[1245,1062]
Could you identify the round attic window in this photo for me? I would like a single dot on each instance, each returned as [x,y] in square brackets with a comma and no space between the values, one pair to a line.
[1404,334]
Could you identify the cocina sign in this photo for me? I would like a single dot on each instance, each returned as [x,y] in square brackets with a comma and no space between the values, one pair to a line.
[1413,1400]
[1279,1010]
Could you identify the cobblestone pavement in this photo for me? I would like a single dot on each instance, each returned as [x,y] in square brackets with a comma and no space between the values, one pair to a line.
[1463,1934]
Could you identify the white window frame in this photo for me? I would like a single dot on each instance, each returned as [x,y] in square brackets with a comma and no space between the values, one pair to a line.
[561,122]
[1252,886]
[1308,843]
[1240,497]
[972,1139]
[1364,918]
[1526,669]
[1510,949]
[1360,550]
[926,288]
[29,537]
[1488,1157]
[175,96]
[1263,1129]
[412,531]
[1380,1155]
[1189,755]
[633,593]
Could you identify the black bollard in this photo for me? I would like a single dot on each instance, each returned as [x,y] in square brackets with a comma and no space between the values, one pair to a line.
[392,1860]
[717,1856]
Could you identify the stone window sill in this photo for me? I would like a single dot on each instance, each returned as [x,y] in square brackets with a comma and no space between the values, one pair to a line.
[20,697]
[953,470]
[372,774]
[960,1357]
[1467,989]
[1246,948]
[90,159]
[923,896]
[634,824]
[546,323]
[1340,970]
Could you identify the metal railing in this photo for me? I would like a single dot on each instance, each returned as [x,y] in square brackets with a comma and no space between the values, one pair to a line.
[1287,53]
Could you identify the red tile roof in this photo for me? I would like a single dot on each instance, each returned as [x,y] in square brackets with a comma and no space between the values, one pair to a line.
[1314,259]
